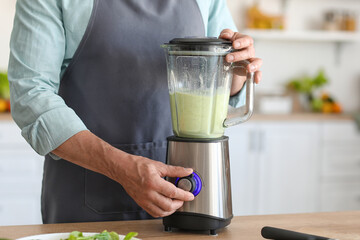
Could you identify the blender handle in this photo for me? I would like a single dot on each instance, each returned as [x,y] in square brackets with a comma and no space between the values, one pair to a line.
[241,114]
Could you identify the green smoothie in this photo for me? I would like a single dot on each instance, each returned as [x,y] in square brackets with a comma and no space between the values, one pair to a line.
[199,116]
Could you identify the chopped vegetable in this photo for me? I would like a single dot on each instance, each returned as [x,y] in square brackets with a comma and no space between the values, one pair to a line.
[75,235]
[105,235]
[114,236]
[130,235]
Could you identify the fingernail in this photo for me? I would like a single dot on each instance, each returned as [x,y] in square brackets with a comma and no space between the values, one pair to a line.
[225,35]
[258,77]
[236,44]
[252,68]
[230,58]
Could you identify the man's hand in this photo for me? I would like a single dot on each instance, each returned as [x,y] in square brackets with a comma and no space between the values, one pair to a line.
[141,177]
[245,46]
[143,181]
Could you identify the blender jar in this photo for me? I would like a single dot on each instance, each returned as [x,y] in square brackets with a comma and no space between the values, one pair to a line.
[199,81]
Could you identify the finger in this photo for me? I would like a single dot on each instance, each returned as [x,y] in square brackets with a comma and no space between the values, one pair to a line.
[258,76]
[226,34]
[169,190]
[237,82]
[255,64]
[156,211]
[244,54]
[166,204]
[241,41]
[175,171]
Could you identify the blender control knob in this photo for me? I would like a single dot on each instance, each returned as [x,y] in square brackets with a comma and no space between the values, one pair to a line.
[191,183]
[186,184]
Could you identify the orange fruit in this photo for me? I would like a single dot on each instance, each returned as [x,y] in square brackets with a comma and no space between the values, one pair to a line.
[324,96]
[3,105]
[327,107]
[336,108]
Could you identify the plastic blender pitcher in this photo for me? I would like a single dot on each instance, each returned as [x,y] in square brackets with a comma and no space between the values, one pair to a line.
[199,81]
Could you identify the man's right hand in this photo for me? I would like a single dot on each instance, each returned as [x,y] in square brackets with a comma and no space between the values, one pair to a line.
[141,177]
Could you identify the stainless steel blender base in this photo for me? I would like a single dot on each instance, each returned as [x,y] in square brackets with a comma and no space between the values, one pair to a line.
[210,183]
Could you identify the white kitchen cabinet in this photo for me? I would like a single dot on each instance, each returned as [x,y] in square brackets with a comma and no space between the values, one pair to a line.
[244,167]
[274,167]
[287,166]
[20,178]
[340,195]
[340,175]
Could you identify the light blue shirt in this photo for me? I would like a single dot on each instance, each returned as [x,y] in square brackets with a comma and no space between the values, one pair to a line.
[44,39]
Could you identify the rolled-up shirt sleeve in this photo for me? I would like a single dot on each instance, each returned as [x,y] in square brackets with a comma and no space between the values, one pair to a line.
[219,18]
[37,49]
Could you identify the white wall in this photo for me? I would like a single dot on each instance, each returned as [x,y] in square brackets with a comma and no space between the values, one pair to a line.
[282,60]
[7,12]
[285,60]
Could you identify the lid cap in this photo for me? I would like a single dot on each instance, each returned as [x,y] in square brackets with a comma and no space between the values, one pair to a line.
[200,41]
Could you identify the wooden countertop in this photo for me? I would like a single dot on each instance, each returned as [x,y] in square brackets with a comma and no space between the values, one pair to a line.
[5,117]
[338,225]
[307,117]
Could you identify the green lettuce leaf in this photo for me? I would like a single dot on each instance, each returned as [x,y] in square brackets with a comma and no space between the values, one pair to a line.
[130,235]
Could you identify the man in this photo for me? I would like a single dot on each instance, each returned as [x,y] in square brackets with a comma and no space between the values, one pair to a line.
[89,91]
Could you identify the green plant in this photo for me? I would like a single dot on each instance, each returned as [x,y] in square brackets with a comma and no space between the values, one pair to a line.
[4,86]
[308,84]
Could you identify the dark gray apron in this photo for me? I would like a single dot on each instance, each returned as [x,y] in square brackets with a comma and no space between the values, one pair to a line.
[117,84]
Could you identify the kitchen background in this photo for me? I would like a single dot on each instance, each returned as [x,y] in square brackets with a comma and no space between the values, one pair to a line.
[294,155]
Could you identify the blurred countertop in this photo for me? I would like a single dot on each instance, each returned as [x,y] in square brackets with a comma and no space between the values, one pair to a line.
[337,225]
[302,117]
[5,117]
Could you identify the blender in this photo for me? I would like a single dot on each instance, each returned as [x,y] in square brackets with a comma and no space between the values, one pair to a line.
[199,81]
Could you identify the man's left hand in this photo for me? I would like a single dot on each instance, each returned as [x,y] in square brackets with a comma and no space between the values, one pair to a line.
[246,51]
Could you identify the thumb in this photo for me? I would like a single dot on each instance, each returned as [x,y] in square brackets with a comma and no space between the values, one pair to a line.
[176,171]
[226,34]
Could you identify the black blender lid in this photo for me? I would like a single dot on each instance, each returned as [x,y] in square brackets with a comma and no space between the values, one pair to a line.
[200,41]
